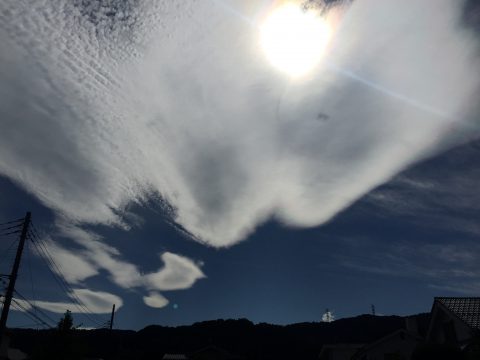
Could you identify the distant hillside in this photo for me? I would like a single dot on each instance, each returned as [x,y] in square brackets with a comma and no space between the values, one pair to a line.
[242,337]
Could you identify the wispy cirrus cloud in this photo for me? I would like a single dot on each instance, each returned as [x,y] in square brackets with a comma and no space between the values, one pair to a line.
[451,266]
[433,194]
[136,99]
[465,288]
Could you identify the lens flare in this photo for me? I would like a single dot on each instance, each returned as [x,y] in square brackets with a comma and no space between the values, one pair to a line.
[293,39]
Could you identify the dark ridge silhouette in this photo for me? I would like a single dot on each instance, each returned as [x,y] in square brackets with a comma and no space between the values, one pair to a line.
[239,337]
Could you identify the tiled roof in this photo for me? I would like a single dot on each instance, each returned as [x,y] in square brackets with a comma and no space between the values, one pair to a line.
[466,308]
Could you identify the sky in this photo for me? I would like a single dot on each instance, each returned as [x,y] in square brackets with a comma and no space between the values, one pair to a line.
[171,169]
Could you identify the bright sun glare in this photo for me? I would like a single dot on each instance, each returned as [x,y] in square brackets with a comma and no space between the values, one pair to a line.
[294,39]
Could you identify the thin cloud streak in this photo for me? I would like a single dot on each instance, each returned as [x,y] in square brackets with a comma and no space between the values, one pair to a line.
[433,196]
[449,266]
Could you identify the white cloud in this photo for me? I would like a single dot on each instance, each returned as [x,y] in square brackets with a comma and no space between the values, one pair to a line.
[98,302]
[155,300]
[178,273]
[75,267]
[103,256]
[101,111]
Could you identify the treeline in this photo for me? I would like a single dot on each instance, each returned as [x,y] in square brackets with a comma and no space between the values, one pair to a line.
[240,337]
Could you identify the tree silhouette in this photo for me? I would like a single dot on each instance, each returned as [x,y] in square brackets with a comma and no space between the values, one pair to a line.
[66,322]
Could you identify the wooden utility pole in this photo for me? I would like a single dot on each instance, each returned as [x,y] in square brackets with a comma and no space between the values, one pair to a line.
[111,318]
[13,278]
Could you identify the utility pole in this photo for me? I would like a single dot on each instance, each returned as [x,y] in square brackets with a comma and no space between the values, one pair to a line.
[13,278]
[111,318]
[373,310]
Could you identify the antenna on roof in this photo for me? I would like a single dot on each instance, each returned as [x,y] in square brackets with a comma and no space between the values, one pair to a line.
[373,310]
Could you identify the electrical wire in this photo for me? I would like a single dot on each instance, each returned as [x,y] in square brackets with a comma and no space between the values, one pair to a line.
[29,313]
[58,275]
[59,278]
[11,227]
[26,312]
[6,252]
[10,233]
[42,250]
[11,222]
[31,275]
[34,307]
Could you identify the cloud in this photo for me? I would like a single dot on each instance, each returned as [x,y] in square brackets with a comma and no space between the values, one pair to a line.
[471,288]
[438,193]
[102,106]
[155,300]
[450,266]
[178,273]
[98,302]
[75,268]
[92,255]
[102,256]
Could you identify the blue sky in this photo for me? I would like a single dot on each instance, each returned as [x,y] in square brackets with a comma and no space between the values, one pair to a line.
[172,170]
[396,257]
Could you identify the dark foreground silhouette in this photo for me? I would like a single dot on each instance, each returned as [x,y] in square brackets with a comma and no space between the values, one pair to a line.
[241,338]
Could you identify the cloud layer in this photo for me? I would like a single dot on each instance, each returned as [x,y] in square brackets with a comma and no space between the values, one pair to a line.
[107,104]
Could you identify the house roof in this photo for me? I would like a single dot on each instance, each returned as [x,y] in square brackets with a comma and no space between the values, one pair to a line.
[220,353]
[174,357]
[388,337]
[466,309]
[343,346]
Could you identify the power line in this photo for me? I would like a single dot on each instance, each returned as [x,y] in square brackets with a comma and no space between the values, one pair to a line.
[11,227]
[13,277]
[6,252]
[34,230]
[36,308]
[31,275]
[29,232]
[28,326]
[27,312]
[37,323]
[42,250]
[11,233]
[13,221]
[58,276]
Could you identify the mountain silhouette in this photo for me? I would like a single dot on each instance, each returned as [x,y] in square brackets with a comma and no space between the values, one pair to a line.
[240,337]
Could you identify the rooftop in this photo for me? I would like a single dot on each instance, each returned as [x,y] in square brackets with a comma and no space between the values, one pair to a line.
[174,357]
[466,308]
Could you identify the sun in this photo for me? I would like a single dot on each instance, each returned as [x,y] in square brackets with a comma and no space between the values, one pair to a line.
[294,40]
